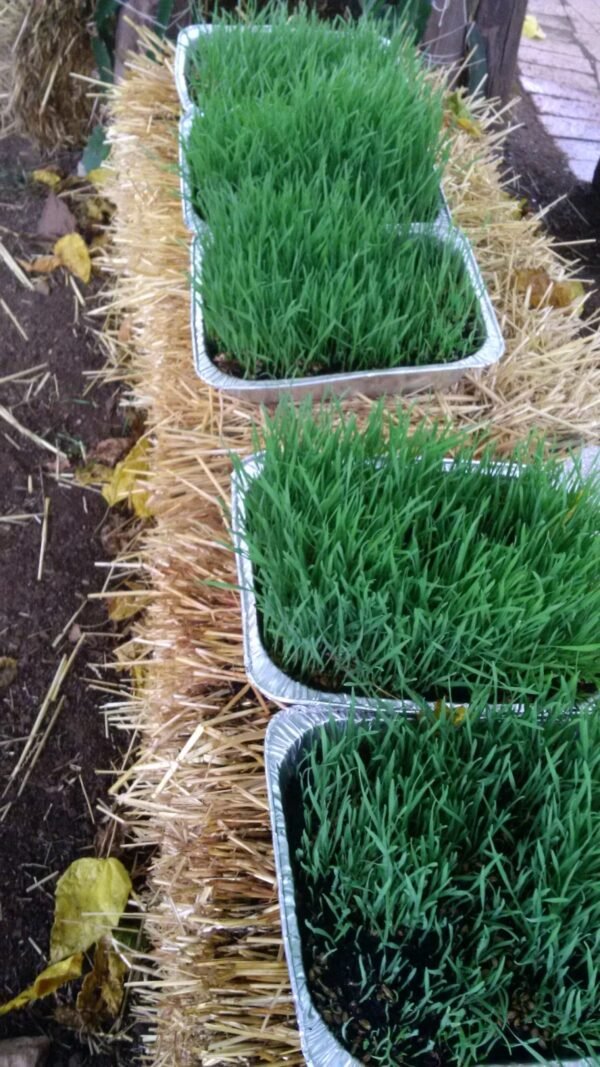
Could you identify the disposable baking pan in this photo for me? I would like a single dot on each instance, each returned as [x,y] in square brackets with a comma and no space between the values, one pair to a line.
[260,668]
[406,379]
[288,733]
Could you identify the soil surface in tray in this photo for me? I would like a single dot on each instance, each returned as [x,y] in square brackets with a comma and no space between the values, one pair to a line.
[55,819]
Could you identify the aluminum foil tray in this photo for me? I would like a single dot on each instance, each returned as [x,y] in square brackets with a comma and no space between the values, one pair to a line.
[288,732]
[186,40]
[260,668]
[368,383]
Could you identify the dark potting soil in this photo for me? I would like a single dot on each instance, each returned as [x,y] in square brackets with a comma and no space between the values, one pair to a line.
[55,818]
[334,979]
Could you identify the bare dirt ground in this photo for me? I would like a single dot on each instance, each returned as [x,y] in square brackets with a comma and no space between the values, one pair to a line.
[53,817]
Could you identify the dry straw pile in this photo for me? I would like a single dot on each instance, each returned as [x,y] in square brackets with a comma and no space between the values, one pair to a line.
[217,989]
[45,54]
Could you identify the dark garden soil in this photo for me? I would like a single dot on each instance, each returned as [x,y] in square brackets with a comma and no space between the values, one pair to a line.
[55,818]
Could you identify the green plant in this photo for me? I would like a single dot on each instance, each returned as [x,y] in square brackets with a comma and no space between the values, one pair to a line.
[300,282]
[376,568]
[448,881]
[314,146]
[377,127]
[414,13]
[303,97]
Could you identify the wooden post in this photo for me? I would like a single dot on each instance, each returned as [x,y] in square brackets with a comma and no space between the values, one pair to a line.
[500,23]
[444,37]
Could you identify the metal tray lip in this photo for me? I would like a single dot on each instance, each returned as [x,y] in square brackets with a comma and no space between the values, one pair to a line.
[186,37]
[391,379]
[273,682]
[192,220]
[285,731]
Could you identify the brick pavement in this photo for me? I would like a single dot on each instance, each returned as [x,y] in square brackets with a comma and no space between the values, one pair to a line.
[562,75]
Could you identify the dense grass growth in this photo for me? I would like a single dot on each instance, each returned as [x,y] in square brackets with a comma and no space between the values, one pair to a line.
[377,569]
[305,99]
[325,283]
[449,881]
[314,147]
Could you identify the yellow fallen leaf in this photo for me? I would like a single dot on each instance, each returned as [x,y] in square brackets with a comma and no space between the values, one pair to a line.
[566,293]
[532,28]
[138,675]
[127,481]
[469,125]
[461,115]
[40,265]
[125,607]
[99,209]
[456,715]
[541,289]
[101,994]
[93,474]
[47,177]
[8,671]
[50,979]
[90,898]
[98,176]
[73,253]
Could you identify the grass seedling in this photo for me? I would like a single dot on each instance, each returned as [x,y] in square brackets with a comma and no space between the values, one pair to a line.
[448,885]
[304,98]
[377,569]
[297,282]
[316,149]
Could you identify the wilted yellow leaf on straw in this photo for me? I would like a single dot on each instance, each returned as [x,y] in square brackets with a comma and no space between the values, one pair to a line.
[46,177]
[74,255]
[51,979]
[461,114]
[566,293]
[101,994]
[139,673]
[125,607]
[93,473]
[543,290]
[532,28]
[127,481]
[99,176]
[90,898]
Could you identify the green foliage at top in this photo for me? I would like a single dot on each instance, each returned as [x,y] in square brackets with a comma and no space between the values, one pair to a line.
[450,881]
[314,145]
[414,13]
[301,99]
[376,568]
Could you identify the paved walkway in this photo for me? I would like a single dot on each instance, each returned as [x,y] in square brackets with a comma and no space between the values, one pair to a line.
[562,74]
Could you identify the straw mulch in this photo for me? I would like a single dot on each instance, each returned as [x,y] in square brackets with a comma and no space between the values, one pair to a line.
[45,55]
[217,991]
[12,13]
